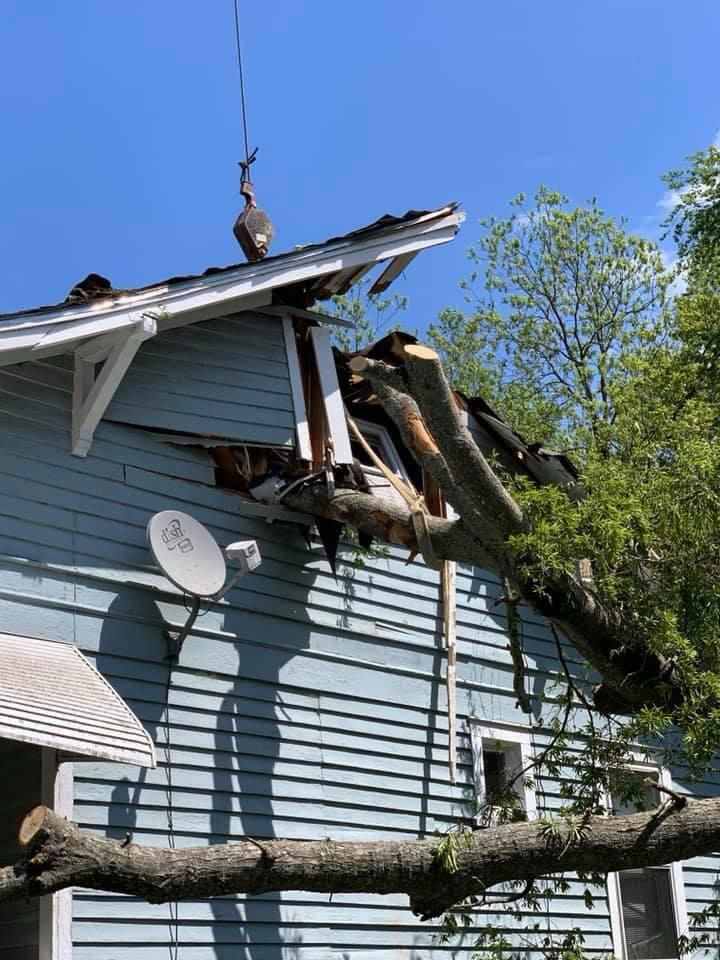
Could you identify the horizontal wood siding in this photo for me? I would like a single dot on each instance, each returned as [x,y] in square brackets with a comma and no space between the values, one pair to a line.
[304,705]
[225,378]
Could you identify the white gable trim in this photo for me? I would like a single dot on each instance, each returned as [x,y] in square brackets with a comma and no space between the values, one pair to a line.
[52,332]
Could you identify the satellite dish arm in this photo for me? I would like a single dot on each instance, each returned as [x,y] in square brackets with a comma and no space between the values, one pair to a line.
[176,640]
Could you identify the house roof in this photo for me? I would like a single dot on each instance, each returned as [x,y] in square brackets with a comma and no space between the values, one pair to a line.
[300,276]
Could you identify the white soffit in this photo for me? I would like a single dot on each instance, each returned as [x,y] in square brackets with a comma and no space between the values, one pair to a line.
[51,696]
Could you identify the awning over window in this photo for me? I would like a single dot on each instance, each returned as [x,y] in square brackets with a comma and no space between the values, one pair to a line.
[50,695]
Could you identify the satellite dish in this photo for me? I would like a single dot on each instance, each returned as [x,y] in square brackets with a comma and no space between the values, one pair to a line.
[187,553]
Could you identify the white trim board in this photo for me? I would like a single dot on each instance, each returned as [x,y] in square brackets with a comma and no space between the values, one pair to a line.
[302,428]
[332,398]
[52,331]
[56,910]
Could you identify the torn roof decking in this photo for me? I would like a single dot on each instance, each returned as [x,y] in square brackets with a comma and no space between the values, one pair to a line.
[305,274]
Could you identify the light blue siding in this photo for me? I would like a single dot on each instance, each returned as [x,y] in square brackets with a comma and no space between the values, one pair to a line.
[224,378]
[303,706]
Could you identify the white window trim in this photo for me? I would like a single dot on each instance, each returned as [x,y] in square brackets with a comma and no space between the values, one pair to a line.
[389,455]
[677,883]
[56,787]
[481,732]
[302,428]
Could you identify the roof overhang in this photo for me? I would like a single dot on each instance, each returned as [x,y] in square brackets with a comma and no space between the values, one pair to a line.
[52,696]
[329,266]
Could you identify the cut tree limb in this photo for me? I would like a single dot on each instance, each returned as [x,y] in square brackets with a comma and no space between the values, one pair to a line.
[408,418]
[430,388]
[59,855]
[418,397]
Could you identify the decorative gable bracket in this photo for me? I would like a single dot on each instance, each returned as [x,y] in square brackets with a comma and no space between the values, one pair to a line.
[92,389]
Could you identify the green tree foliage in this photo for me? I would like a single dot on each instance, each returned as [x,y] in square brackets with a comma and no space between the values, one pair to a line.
[572,335]
[694,223]
[695,218]
[559,299]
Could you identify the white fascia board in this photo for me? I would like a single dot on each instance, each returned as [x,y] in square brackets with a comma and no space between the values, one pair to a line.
[202,297]
[218,290]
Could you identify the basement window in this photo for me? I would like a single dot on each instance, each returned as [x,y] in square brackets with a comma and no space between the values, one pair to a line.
[502,790]
[647,905]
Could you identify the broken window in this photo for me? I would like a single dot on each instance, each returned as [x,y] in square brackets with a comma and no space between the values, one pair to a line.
[501,768]
[380,442]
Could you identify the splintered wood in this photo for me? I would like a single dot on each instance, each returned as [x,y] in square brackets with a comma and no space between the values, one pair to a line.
[449,626]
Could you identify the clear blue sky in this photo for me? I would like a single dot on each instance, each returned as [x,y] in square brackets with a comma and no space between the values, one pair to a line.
[120,123]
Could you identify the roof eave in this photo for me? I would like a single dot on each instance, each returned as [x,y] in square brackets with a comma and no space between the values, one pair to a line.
[245,287]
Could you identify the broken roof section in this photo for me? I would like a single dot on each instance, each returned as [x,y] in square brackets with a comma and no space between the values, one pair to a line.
[299,277]
[491,432]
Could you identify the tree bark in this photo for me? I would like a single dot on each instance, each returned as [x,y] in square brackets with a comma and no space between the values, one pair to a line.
[59,855]
[418,395]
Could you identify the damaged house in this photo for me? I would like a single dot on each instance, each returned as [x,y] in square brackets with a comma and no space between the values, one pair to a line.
[327,693]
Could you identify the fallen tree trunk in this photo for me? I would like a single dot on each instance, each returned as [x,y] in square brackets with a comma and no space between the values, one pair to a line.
[420,402]
[59,855]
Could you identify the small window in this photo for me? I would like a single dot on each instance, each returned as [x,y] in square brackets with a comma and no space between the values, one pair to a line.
[501,763]
[648,913]
[647,905]
[380,442]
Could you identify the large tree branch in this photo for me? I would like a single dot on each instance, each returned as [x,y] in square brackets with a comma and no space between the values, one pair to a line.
[391,522]
[469,468]
[423,408]
[411,423]
[59,855]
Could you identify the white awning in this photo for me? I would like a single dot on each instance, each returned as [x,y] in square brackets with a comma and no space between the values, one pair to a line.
[50,695]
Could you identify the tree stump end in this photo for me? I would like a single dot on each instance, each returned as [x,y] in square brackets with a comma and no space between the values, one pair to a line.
[31,824]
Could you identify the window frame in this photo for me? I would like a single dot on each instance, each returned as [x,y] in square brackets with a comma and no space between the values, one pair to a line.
[675,871]
[505,736]
[388,454]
